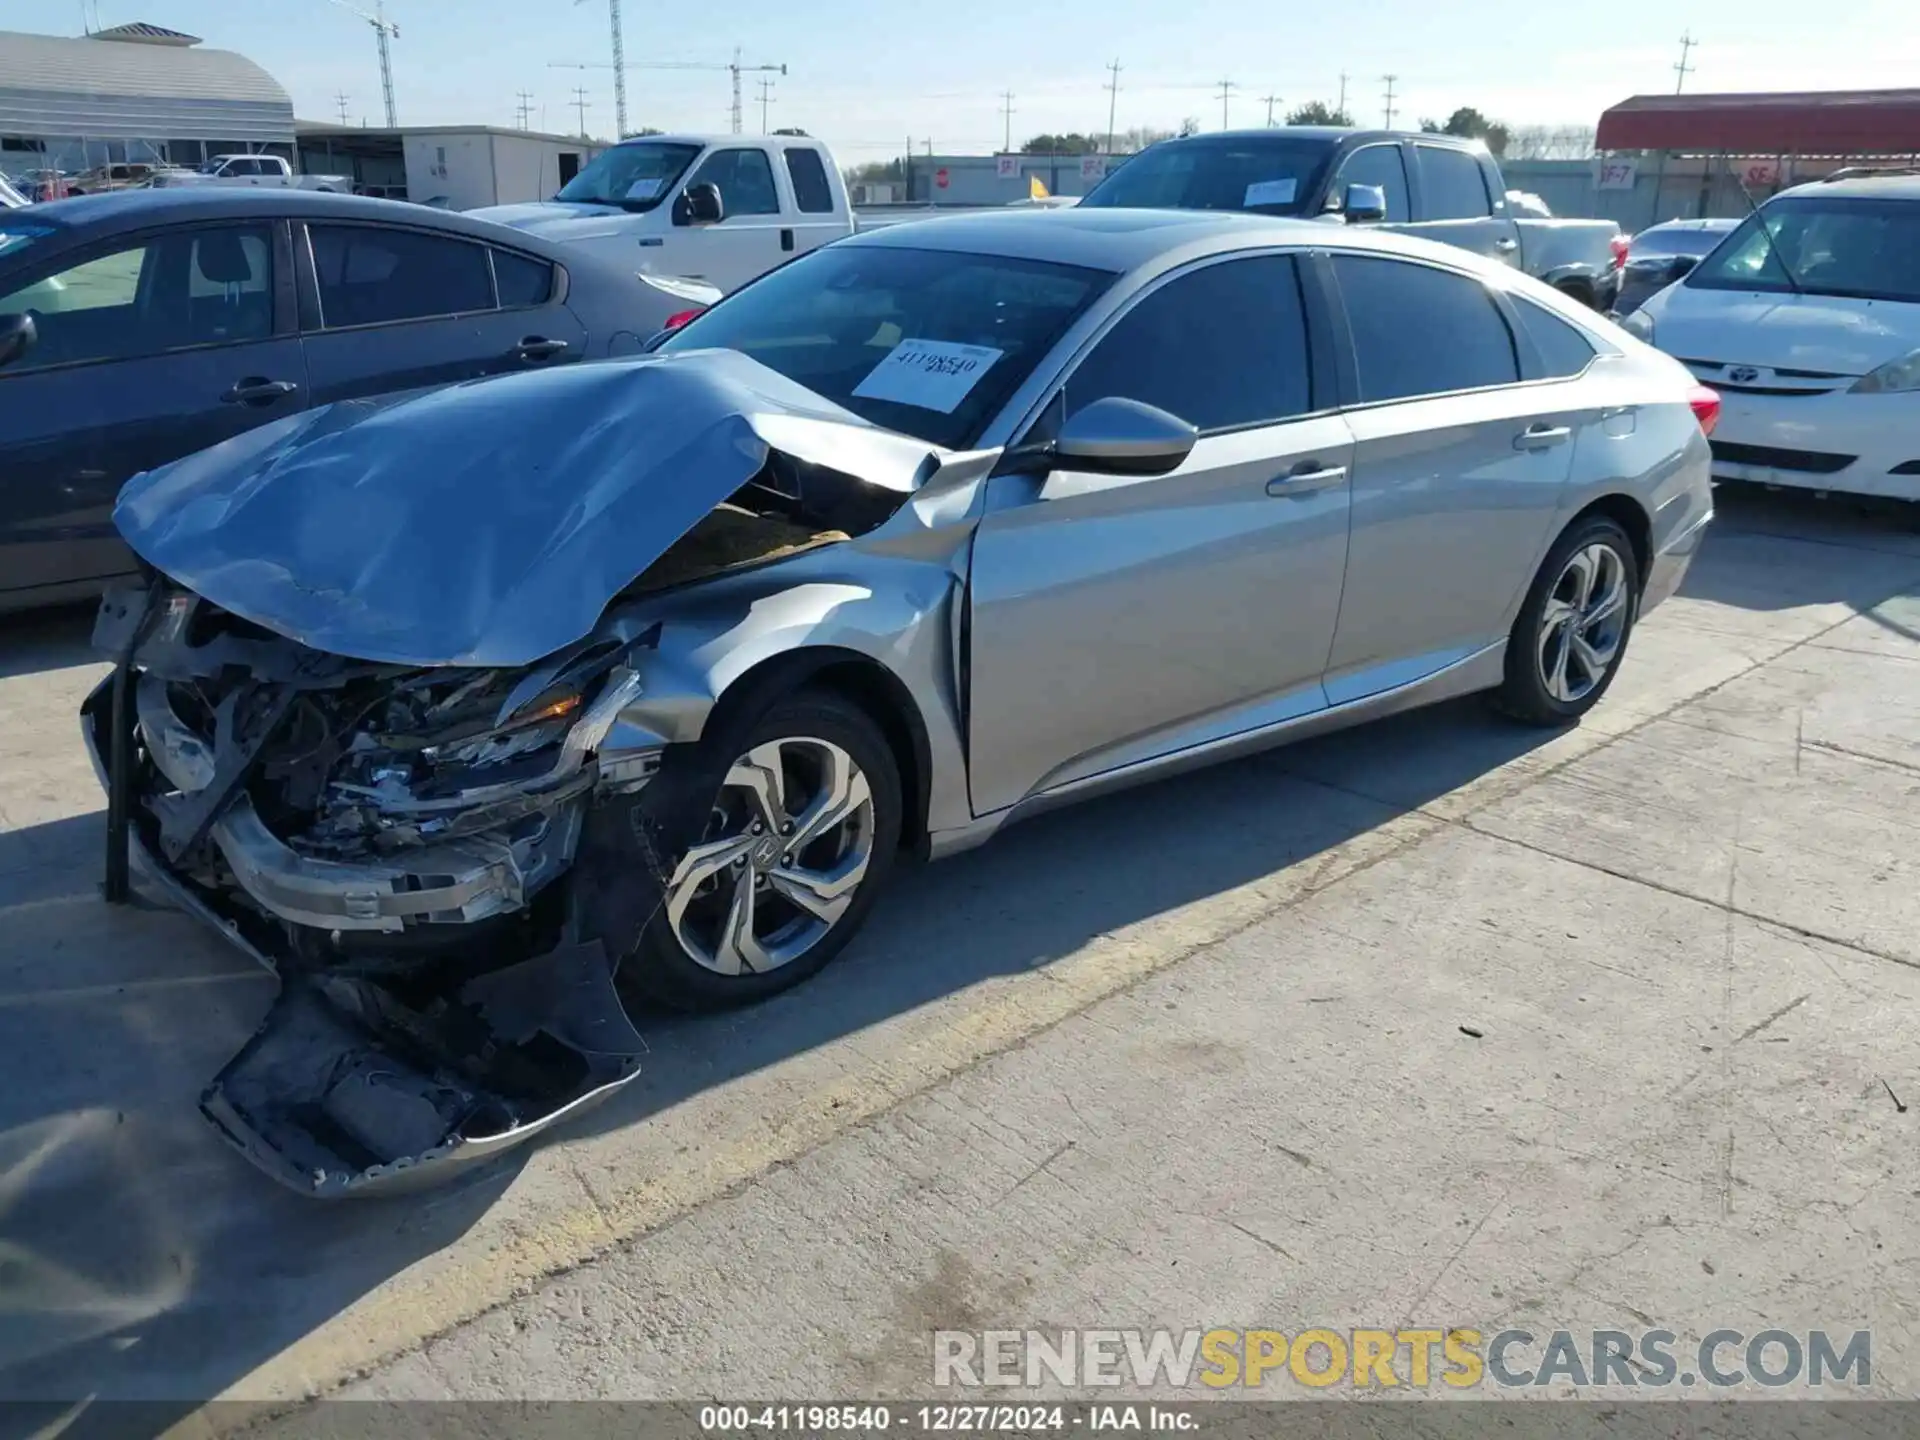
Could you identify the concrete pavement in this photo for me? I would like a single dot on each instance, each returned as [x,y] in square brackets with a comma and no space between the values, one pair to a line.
[1189,1056]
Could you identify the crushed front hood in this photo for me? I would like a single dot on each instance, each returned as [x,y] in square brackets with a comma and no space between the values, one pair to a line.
[487,523]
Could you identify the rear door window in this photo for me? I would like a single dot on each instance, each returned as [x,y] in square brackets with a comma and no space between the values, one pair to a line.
[522,282]
[1221,347]
[1563,350]
[1452,184]
[370,275]
[810,188]
[1419,330]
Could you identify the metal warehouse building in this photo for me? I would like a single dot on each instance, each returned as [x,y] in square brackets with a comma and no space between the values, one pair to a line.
[133,92]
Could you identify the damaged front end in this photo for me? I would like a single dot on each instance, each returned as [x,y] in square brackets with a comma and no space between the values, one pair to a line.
[387,839]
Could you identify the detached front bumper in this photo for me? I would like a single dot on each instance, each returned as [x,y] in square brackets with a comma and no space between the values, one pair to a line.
[366,1081]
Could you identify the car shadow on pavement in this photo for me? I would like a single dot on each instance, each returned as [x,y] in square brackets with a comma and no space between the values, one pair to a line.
[52,639]
[139,1258]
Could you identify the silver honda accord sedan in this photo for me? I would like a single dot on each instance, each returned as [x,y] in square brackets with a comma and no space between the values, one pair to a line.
[479,714]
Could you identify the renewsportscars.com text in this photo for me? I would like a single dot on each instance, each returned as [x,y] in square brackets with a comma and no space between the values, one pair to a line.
[1456,1358]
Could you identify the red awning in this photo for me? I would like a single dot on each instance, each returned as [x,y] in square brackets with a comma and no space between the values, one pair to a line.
[1839,122]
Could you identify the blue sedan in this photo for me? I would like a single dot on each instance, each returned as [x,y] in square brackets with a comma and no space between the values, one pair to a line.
[141,326]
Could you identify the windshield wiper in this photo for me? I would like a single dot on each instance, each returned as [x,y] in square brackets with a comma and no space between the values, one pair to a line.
[1793,280]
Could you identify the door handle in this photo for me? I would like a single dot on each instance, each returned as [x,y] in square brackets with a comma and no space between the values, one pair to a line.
[1542,437]
[786,239]
[1306,478]
[1505,244]
[258,390]
[538,347]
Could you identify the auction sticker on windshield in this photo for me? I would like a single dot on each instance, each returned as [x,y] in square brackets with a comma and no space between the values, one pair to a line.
[1270,192]
[931,374]
[644,189]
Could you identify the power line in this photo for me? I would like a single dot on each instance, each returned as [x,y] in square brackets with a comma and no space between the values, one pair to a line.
[1687,42]
[1227,87]
[1006,114]
[1272,100]
[1113,98]
[1390,79]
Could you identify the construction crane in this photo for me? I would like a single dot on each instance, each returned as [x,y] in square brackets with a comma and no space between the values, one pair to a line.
[735,68]
[384,30]
[619,68]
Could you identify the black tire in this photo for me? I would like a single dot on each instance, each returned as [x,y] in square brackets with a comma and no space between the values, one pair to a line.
[1525,694]
[659,968]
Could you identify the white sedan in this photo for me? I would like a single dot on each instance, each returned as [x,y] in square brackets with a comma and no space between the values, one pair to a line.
[1806,319]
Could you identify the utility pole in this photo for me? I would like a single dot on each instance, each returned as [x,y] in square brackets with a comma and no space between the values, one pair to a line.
[1390,79]
[1687,42]
[524,111]
[1272,100]
[1113,98]
[340,99]
[580,103]
[1227,87]
[1006,114]
[1343,92]
[766,98]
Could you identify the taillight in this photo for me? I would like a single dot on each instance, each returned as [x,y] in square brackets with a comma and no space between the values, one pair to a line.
[674,322]
[1706,407]
[1621,245]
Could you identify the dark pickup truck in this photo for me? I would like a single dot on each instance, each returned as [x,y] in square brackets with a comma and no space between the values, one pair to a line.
[1439,187]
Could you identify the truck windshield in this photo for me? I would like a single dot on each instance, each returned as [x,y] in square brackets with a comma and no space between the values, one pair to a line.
[634,176]
[1274,176]
[1832,245]
[929,343]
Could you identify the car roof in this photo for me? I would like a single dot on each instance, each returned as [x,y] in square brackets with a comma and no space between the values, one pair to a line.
[87,216]
[1863,187]
[1119,240]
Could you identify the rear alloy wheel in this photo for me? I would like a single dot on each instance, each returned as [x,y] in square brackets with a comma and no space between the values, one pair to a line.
[1567,641]
[798,838]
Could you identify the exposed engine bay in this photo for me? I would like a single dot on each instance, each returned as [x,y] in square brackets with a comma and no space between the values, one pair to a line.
[444,863]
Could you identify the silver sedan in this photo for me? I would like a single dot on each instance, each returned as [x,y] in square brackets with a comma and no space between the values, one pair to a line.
[451,706]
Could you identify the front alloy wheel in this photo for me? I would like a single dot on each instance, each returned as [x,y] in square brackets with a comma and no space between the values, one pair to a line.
[797,811]
[790,842]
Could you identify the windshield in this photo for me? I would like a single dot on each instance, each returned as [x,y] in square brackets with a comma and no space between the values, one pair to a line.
[633,176]
[1267,176]
[929,343]
[1832,245]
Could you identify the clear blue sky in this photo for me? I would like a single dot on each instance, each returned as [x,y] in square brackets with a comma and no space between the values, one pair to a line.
[865,76]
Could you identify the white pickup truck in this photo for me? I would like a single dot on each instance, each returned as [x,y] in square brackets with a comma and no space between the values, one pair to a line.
[718,208]
[254,170]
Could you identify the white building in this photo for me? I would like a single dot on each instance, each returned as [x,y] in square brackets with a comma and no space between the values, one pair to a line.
[134,92]
[459,167]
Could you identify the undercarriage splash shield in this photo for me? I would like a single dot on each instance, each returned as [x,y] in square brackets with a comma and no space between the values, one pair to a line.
[353,1087]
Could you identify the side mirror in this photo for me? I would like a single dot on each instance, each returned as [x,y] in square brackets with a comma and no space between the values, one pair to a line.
[1681,265]
[699,205]
[1117,436]
[17,336]
[1364,204]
